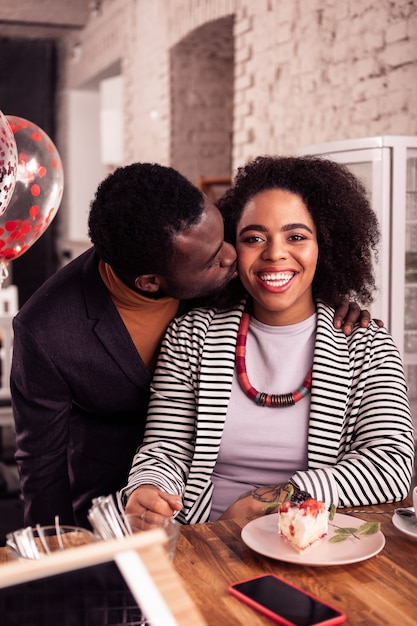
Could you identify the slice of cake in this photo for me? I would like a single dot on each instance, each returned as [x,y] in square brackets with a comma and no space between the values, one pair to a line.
[303,523]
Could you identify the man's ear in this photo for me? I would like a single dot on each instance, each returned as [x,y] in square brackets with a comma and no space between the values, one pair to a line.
[150,283]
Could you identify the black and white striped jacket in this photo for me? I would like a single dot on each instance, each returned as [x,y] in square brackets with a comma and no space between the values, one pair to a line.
[360,438]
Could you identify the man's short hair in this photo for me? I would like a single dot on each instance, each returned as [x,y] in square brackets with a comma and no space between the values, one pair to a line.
[135,214]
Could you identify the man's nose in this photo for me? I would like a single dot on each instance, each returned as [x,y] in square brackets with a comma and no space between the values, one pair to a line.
[228,254]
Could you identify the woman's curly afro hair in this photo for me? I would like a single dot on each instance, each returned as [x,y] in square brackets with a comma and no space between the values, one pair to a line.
[347,227]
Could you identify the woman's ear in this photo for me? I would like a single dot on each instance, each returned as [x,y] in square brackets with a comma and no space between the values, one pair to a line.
[150,283]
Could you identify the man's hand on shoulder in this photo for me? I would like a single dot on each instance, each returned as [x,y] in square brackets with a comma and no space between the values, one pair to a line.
[348,314]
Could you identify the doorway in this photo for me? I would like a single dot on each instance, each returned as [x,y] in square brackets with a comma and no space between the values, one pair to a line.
[202,85]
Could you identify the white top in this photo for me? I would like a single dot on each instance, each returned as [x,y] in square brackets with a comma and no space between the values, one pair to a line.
[265,445]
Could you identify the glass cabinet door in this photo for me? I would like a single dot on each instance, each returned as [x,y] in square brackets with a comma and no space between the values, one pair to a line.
[410,311]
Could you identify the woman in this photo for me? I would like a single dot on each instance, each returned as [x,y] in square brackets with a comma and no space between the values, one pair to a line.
[263,389]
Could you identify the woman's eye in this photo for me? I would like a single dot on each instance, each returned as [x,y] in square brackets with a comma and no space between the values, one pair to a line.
[252,239]
[296,237]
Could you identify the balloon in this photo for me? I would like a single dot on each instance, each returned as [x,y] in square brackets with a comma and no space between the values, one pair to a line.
[8,163]
[37,193]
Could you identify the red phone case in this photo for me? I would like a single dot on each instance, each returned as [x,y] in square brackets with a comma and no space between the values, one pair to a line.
[334,621]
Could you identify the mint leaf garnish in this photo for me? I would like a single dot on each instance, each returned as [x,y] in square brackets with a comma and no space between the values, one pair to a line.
[332,512]
[337,538]
[344,531]
[367,528]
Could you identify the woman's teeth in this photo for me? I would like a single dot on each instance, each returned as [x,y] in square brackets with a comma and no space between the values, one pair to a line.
[276,279]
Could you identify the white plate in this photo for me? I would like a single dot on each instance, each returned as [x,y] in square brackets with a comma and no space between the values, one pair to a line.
[262,536]
[407,525]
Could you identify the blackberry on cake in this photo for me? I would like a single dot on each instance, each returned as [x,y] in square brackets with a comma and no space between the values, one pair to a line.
[303,523]
[299,496]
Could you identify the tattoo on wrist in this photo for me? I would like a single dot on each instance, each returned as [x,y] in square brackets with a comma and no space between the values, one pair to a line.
[245,495]
[274,496]
[267,494]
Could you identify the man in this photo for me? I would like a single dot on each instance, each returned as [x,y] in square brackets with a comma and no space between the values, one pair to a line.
[86,343]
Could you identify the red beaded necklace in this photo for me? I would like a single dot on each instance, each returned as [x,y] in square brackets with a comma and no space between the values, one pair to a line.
[260,397]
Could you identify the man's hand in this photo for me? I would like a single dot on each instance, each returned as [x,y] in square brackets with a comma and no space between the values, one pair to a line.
[348,314]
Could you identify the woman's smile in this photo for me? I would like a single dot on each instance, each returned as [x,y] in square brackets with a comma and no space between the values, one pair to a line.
[275,280]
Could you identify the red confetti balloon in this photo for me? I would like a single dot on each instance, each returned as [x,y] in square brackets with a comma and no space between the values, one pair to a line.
[37,193]
[8,163]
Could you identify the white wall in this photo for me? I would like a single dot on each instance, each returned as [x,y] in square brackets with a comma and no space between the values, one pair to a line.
[84,166]
[111,121]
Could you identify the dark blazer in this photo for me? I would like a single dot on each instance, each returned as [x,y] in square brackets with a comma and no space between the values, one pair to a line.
[79,391]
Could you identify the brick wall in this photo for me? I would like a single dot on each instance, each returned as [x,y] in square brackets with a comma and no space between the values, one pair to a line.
[210,84]
[309,71]
[305,71]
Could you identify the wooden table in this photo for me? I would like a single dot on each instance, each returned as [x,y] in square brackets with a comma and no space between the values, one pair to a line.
[379,591]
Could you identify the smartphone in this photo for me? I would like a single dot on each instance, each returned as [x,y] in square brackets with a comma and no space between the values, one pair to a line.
[284,603]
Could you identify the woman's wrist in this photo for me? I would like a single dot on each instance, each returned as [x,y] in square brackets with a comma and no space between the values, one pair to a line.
[273,496]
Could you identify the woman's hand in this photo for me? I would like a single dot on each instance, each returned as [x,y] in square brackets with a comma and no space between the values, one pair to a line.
[258,502]
[244,506]
[348,314]
[147,504]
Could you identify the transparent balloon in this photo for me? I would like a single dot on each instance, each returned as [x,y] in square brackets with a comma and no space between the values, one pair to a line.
[37,193]
[8,163]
